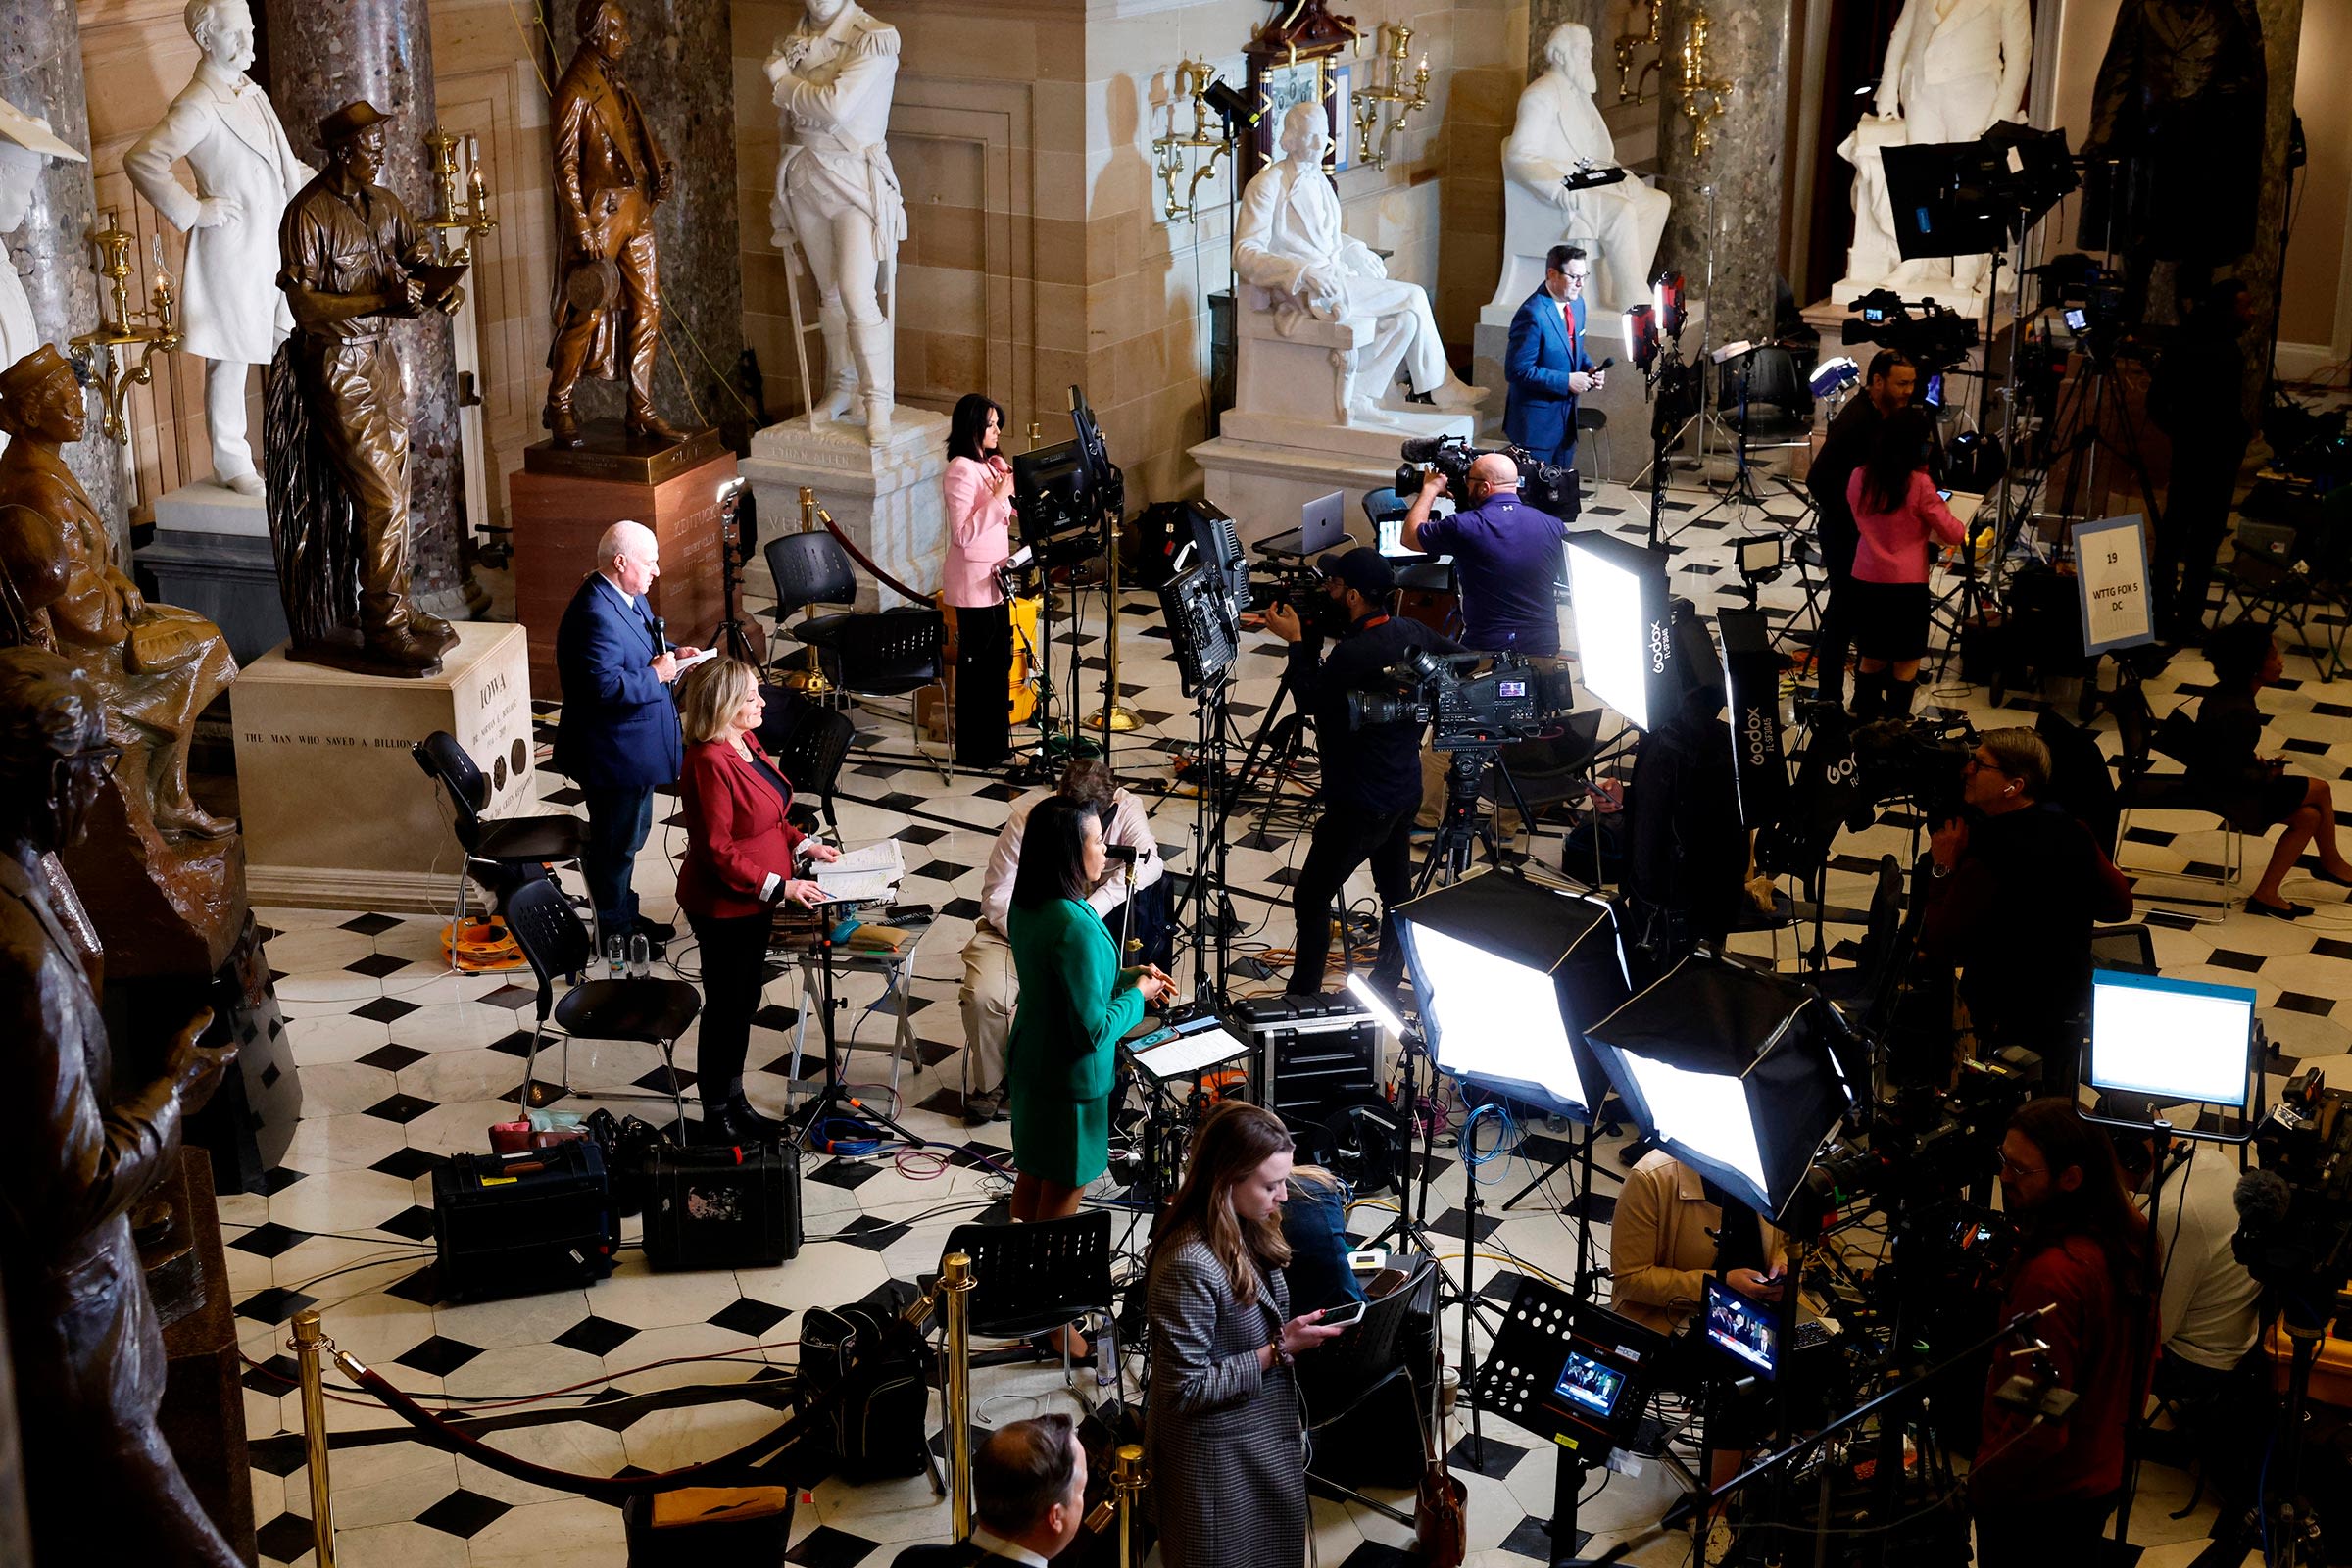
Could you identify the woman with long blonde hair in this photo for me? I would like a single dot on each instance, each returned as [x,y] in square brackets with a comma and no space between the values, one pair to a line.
[1223,1429]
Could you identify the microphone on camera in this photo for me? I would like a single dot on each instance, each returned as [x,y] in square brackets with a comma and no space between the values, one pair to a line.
[2262,1198]
[1423,448]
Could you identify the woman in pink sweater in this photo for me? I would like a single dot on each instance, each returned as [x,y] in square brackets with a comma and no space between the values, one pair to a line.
[979,494]
[1897,512]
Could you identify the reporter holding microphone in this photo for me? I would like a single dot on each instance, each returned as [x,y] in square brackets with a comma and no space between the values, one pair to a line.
[743,858]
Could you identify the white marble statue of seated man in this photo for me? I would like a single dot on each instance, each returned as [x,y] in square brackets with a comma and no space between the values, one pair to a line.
[1558,128]
[1289,241]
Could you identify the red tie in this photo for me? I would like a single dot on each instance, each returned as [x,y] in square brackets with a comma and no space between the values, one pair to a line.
[1568,319]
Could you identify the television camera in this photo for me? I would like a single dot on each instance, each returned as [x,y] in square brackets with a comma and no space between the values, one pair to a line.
[1300,585]
[1546,486]
[2294,1211]
[1850,772]
[1514,699]
[1936,337]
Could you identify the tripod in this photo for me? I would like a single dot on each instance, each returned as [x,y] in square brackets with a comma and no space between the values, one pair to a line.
[833,1095]
[1212,949]
[1464,829]
[739,524]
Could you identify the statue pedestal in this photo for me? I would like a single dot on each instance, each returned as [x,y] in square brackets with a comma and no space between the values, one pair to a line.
[885,499]
[1263,469]
[211,554]
[337,814]
[203,1412]
[563,501]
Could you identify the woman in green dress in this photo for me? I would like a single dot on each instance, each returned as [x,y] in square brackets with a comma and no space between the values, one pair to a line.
[1076,1005]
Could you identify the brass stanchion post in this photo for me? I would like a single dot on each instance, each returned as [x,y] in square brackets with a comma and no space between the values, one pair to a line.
[955,1278]
[809,679]
[1127,1480]
[307,1343]
[1114,717]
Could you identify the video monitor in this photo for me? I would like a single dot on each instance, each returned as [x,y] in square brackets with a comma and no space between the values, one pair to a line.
[1053,490]
[1743,1328]
[1589,1387]
[2172,1041]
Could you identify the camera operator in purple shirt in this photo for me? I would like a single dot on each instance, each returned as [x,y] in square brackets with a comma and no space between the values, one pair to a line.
[1507,555]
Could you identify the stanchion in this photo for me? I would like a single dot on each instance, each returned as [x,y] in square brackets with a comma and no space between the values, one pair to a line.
[956,1397]
[307,1343]
[1127,1480]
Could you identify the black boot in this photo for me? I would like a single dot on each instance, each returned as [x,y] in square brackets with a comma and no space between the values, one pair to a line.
[765,1129]
[1900,695]
[1869,687]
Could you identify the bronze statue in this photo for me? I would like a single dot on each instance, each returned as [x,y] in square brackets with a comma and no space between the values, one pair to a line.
[352,263]
[156,667]
[610,175]
[79,1153]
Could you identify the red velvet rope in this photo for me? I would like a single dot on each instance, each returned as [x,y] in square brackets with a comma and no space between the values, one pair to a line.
[859,556]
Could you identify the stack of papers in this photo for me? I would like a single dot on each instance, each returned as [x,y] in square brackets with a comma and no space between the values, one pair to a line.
[872,872]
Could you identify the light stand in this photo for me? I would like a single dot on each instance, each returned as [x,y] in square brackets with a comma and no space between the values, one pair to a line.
[738,528]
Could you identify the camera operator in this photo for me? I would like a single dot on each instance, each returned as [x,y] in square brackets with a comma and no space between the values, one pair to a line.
[2208,1310]
[2018,883]
[2195,399]
[1505,552]
[2039,1488]
[1371,777]
[1846,446]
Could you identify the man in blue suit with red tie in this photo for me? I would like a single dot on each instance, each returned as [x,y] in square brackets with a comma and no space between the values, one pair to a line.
[618,735]
[1546,365]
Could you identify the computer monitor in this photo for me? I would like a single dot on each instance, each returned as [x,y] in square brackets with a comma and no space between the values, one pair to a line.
[2172,1042]
[1743,1328]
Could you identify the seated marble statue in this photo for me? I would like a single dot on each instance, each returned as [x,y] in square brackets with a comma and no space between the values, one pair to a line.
[60,589]
[1288,241]
[1559,129]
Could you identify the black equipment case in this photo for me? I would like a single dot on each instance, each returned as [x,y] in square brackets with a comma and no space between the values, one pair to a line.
[735,1208]
[538,1219]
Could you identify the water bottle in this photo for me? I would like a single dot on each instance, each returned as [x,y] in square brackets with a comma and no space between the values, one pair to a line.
[641,955]
[617,956]
[1106,1371]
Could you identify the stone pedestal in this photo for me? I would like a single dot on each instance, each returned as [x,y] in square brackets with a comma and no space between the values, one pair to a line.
[1262,471]
[886,498]
[337,813]
[202,1413]
[211,554]
[560,504]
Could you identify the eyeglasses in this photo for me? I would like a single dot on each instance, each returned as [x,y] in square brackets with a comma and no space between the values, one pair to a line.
[1575,278]
[1976,764]
[2010,1167]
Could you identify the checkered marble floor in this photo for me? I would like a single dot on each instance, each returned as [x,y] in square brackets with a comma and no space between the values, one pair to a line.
[404,1066]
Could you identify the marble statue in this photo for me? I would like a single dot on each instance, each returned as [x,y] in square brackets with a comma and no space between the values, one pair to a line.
[1872,257]
[1559,129]
[610,177]
[1953,67]
[231,313]
[838,196]
[78,1157]
[351,263]
[25,144]
[156,667]
[1288,241]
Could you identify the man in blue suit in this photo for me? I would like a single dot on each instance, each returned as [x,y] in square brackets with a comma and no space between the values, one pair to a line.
[618,735]
[1546,365]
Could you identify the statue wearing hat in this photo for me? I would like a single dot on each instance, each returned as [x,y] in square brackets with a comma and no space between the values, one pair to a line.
[62,589]
[78,1153]
[245,170]
[25,144]
[610,175]
[351,265]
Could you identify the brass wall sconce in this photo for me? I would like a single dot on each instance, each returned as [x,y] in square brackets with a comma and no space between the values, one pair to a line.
[1629,44]
[104,356]
[1696,85]
[454,225]
[1173,154]
[1391,46]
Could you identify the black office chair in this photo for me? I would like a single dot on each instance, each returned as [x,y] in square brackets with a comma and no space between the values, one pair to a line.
[1592,425]
[1362,1412]
[2138,787]
[511,847]
[1033,1278]
[1856,988]
[1772,407]
[644,1008]
[809,743]
[809,568]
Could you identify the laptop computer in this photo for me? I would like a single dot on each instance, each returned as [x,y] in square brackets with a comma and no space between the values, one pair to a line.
[1323,525]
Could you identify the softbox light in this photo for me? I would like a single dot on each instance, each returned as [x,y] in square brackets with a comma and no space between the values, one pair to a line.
[1738,1072]
[1508,972]
[1624,626]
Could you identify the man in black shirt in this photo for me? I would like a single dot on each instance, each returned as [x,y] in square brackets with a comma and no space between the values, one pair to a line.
[1885,390]
[1371,777]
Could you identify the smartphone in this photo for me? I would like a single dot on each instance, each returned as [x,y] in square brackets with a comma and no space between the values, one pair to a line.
[1340,1317]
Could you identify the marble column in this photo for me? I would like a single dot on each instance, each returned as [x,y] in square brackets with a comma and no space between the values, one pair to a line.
[1747,47]
[681,65]
[2281,38]
[40,73]
[322,57]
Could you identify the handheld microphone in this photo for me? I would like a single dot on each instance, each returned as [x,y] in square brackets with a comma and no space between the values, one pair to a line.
[660,635]
[1124,853]
[1604,364]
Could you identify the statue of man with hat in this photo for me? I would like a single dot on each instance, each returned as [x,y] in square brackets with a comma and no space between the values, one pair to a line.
[352,263]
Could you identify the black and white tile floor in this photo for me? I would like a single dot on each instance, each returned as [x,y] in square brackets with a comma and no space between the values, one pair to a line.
[405,1065]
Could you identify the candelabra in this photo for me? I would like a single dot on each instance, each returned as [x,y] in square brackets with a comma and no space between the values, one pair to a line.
[1629,44]
[1391,46]
[104,355]
[1170,153]
[1696,84]
[453,223]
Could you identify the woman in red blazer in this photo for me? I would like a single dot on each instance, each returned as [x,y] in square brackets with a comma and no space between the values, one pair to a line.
[741,855]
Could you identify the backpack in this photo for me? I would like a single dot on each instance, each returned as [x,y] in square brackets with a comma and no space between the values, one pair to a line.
[881,1365]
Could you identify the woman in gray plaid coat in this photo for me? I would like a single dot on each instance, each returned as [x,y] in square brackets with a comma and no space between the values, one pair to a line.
[1222,1430]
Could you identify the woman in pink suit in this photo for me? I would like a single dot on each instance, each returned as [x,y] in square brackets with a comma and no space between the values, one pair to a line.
[979,492]
[1899,514]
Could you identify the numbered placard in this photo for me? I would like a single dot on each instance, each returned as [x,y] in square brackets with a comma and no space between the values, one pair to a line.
[2111,563]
